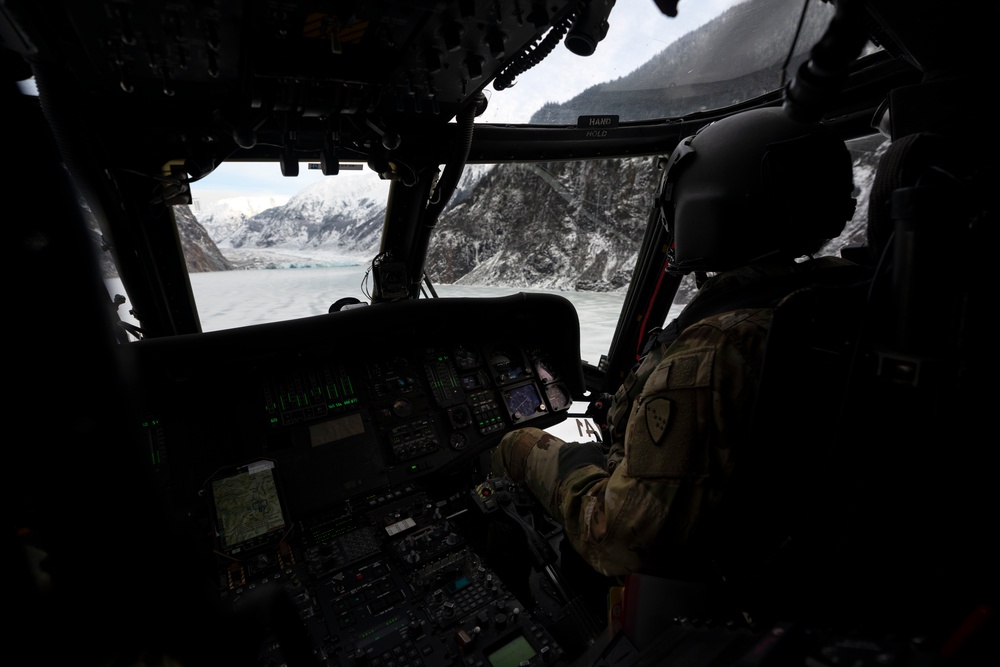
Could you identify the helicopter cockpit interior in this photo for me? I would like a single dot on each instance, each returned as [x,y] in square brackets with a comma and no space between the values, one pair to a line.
[317,491]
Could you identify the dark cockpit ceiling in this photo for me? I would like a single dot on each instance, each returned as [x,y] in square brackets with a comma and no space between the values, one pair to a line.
[200,81]
[189,84]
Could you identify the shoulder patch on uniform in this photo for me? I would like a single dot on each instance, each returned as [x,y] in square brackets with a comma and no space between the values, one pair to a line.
[688,369]
[683,371]
[657,412]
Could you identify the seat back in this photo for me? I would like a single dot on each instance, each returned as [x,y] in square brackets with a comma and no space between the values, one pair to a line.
[868,494]
[777,517]
[925,503]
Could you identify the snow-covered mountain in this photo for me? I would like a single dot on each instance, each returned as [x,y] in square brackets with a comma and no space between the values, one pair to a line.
[689,69]
[340,214]
[337,219]
[223,218]
[576,225]
[200,252]
[560,225]
[569,225]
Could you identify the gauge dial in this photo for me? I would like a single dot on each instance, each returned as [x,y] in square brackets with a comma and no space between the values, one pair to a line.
[558,395]
[508,365]
[523,402]
[466,357]
[457,440]
[546,370]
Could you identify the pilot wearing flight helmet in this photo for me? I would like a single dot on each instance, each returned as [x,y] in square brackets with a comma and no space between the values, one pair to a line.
[749,199]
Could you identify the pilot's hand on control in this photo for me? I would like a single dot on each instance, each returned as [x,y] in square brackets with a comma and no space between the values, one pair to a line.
[510,458]
[598,409]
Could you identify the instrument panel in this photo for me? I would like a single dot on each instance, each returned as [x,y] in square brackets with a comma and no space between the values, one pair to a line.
[393,582]
[351,402]
[318,457]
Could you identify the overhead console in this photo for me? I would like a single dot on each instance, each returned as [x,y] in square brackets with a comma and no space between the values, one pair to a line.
[199,81]
[355,402]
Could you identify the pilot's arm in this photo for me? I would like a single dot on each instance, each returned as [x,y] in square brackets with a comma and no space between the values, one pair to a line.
[634,516]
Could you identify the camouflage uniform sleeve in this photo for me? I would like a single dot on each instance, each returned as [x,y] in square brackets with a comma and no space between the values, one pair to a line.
[676,455]
[621,405]
[542,462]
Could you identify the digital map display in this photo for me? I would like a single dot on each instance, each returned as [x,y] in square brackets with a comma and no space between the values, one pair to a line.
[247,506]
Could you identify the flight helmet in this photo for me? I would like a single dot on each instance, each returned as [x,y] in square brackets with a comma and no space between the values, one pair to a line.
[753,186]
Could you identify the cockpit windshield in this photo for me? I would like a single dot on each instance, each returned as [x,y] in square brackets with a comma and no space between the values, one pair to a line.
[633,65]
[649,66]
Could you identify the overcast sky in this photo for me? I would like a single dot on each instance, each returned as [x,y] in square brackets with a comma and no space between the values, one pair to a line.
[638,30]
